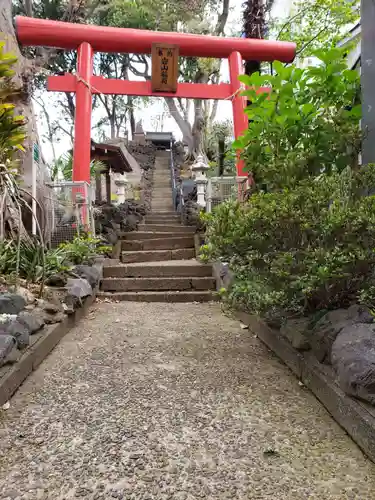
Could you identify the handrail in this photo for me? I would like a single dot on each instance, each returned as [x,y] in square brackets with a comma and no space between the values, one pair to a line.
[173,177]
[176,190]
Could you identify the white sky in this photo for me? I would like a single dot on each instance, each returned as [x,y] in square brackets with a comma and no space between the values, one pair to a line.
[154,111]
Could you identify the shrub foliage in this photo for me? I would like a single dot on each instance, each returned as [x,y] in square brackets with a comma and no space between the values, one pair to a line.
[305,239]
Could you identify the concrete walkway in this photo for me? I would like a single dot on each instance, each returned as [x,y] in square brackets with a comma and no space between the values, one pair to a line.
[172,401]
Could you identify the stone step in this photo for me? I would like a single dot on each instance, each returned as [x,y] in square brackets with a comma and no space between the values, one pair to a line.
[157,255]
[166,228]
[170,268]
[162,221]
[166,243]
[163,213]
[162,296]
[149,235]
[155,284]
[159,206]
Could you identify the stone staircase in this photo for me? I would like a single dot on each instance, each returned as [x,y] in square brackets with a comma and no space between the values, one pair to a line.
[158,260]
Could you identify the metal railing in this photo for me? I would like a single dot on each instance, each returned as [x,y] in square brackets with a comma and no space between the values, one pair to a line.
[177,188]
[71,212]
[220,189]
[173,177]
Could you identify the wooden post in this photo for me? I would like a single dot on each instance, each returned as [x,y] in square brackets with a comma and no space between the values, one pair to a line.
[367,80]
[108,186]
[240,121]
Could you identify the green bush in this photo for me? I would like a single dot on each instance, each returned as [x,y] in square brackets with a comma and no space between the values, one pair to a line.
[36,263]
[305,239]
[299,250]
[83,249]
[307,125]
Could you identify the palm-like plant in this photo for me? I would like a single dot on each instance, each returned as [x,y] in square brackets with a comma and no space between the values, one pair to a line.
[62,168]
[12,133]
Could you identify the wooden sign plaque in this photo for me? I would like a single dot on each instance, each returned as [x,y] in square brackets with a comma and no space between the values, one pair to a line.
[164,73]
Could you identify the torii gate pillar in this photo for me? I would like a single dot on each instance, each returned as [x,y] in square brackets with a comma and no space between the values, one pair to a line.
[83,112]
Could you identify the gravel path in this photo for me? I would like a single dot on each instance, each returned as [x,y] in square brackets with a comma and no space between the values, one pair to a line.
[169,401]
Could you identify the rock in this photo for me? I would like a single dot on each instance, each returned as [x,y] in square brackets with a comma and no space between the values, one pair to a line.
[91,274]
[27,295]
[17,330]
[78,287]
[325,330]
[49,307]
[190,215]
[295,331]
[71,304]
[222,273]
[7,342]
[33,322]
[48,318]
[14,356]
[130,223]
[11,303]
[353,358]
[360,314]
[322,335]
[111,236]
[58,279]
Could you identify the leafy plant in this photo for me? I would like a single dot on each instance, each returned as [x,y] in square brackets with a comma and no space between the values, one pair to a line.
[316,24]
[11,125]
[63,168]
[307,125]
[83,249]
[36,263]
[297,250]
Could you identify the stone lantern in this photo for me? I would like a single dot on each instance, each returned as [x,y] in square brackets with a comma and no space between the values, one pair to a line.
[199,169]
[121,182]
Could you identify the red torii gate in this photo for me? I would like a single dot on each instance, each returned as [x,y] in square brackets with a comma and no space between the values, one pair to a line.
[87,39]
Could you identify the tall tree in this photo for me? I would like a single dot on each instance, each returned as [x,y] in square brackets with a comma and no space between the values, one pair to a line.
[195,16]
[316,24]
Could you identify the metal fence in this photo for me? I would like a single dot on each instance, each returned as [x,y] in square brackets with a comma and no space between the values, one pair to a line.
[220,189]
[70,212]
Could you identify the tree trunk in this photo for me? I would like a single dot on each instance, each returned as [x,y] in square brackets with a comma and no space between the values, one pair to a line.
[198,129]
[183,124]
[23,73]
[254,27]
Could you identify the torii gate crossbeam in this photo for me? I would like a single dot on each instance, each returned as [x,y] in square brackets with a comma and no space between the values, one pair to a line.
[88,39]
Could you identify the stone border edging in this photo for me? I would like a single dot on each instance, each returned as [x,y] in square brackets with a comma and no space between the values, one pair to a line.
[349,413]
[33,356]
